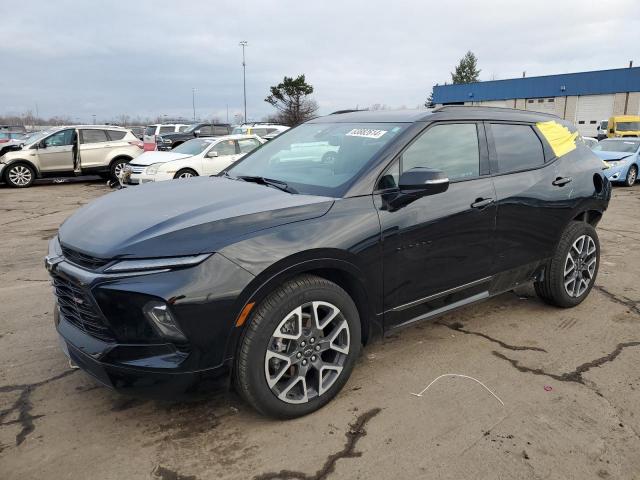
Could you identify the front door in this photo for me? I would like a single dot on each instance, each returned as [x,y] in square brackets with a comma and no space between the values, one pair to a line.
[438,250]
[55,153]
[227,151]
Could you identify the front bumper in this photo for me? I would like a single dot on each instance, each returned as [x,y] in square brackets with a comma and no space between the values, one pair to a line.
[123,352]
[616,174]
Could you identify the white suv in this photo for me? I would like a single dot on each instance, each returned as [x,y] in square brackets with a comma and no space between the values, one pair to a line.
[71,150]
[152,131]
[200,156]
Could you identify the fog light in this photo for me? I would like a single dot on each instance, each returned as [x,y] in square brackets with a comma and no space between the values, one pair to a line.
[163,321]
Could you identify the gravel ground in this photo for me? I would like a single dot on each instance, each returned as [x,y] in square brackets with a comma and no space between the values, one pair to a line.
[568,380]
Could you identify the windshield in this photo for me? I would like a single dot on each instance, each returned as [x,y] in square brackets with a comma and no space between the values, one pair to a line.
[319,158]
[625,146]
[239,130]
[627,126]
[604,124]
[36,137]
[192,147]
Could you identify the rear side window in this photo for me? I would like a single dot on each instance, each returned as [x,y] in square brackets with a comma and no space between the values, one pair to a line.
[517,147]
[221,130]
[93,136]
[248,144]
[166,130]
[452,148]
[206,130]
[116,134]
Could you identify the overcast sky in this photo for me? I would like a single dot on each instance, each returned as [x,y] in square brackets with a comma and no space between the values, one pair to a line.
[79,58]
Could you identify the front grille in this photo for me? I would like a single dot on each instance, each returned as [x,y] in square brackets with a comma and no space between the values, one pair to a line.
[82,260]
[79,308]
[137,168]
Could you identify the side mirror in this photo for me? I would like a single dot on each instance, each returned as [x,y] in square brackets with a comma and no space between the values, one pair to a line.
[212,154]
[196,133]
[421,181]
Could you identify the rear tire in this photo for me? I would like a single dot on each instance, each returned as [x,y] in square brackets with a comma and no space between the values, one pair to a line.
[185,173]
[632,176]
[115,170]
[299,348]
[572,271]
[19,175]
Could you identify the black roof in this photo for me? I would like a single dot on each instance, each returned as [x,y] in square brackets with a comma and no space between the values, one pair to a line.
[451,112]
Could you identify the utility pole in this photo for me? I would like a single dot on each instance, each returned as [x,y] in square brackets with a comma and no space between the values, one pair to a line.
[193,102]
[227,113]
[243,44]
[94,118]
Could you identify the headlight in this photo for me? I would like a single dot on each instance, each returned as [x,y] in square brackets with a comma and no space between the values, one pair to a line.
[156,263]
[153,168]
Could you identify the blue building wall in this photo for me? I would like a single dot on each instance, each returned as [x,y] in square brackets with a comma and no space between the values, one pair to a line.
[583,83]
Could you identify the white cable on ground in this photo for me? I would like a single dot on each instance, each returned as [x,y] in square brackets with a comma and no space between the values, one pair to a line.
[461,376]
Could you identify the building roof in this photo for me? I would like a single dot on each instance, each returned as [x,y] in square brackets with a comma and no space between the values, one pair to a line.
[582,83]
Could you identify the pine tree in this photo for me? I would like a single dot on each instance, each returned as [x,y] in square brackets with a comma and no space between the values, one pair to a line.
[467,70]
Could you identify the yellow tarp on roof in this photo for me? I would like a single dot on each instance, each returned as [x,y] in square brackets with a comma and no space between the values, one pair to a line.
[560,138]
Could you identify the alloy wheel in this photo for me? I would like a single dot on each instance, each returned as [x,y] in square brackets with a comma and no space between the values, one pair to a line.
[631,176]
[20,175]
[580,266]
[307,352]
[185,175]
[118,169]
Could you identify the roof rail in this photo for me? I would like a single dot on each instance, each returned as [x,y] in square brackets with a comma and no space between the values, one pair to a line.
[446,107]
[340,112]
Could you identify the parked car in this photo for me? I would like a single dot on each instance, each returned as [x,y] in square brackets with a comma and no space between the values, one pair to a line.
[70,150]
[260,129]
[278,272]
[624,126]
[602,129]
[171,140]
[151,131]
[590,141]
[193,158]
[15,142]
[622,156]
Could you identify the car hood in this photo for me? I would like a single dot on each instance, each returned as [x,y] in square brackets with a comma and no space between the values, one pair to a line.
[182,217]
[612,155]
[148,158]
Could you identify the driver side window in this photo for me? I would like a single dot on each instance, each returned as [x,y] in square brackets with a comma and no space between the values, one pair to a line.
[226,147]
[59,139]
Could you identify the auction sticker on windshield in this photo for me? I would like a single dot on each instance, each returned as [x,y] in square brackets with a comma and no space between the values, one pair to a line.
[366,132]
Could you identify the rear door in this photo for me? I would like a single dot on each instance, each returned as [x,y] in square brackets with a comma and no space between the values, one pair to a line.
[94,147]
[438,250]
[533,203]
[56,153]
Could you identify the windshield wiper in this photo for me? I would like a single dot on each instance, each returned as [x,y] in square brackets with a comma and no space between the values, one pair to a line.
[267,181]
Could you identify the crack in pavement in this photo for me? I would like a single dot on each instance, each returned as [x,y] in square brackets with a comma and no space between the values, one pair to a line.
[354,434]
[575,375]
[24,406]
[459,327]
[627,302]
[29,218]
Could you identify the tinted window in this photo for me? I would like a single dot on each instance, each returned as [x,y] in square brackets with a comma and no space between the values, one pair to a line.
[166,130]
[248,144]
[517,147]
[64,137]
[220,130]
[259,131]
[452,148]
[226,147]
[150,130]
[116,134]
[206,130]
[93,136]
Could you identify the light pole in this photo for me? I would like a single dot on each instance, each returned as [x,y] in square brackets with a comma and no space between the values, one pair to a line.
[243,44]
[94,118]
[193,102]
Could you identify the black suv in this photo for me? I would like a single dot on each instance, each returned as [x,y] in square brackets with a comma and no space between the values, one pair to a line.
[278,271]
[167,141]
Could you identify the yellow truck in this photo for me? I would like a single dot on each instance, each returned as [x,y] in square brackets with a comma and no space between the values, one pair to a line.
[624,126]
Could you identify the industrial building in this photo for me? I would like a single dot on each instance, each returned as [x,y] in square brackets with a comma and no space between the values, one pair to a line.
[584,98]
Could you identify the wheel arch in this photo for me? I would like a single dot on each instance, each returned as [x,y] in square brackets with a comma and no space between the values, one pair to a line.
[590,216]
[341,272]
[22,161]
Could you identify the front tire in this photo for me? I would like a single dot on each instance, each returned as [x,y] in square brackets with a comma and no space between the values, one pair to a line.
[19,175]
[299,348]
[632,176]
[185,173]
[571,272]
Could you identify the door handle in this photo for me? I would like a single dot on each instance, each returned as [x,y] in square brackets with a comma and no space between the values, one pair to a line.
[480,203]
[561,181]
